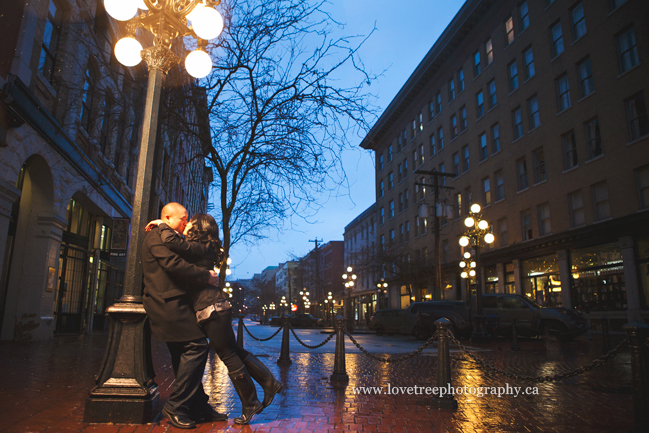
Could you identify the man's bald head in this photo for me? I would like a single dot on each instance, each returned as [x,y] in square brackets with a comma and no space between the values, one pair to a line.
[175,216]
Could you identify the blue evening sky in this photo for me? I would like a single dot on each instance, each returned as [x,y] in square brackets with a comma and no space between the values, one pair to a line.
[406,30]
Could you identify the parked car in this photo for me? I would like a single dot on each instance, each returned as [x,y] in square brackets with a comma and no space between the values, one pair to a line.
[419,318]
[389,321]
[298,321]
[531,318]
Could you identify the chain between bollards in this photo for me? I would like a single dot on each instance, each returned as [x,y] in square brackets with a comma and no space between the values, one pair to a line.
[262,339]
[333,334]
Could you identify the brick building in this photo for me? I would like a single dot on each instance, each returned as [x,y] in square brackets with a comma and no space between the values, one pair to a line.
[538,108]
[70,128]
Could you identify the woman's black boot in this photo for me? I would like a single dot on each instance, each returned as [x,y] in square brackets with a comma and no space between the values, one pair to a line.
[264,377]
[245,388]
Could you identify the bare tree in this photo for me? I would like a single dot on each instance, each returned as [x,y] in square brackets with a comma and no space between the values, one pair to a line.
[279,116]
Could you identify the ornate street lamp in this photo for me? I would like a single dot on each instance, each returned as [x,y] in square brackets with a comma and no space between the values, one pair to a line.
[478,230]
[125,390]
[350,280]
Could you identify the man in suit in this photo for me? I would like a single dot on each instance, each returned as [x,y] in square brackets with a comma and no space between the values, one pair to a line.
[172,319]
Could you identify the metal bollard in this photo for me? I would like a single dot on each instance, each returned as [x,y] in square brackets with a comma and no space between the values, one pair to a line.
[515,345]
[638,334]
[447,401]
[340,373]
[606,339]
[284,359]
[240,332]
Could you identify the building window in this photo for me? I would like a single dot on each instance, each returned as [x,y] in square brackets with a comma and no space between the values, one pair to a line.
[526,224]
[483,146]
[405,168]
[414,128]
[392,237]
[460,81]
[576,203]
[513,76]
[399,172]
[383,242]
[528,58]
[440,142]
[451,90]
[431,110]
[600,200]
[593,139]
[381,189]
[381,215]
[570,159]
[486,191]
[421,123]
[380,163]
[463,119]
[495,139]
[642,179]
[405,199]
[544,219]
[476,64]
[616,3]
[468,197]
[517,122]
[489,49]
[500,185]
[578,21]
[453,126]
[50,42]
[407,229]
[400,233]
[438,103]
[493,100]
[389,153]
[539,165]
[502,232]
[521,172]
[441,168]
[586,85]
[636,115]
[556,36]
[465,159]
[422,188]
[563,93]
[458,205]
[456,164]
[421,155]
[533,108]
[432,145]
[391,209]
[524,16]
[509,30]
[414,159]
[479,98]
[390,180]
[86,99]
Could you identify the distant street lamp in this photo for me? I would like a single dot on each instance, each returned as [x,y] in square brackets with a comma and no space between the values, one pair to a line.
[125,390]
[283,304]
[350,279]
[382,287]
[478,230]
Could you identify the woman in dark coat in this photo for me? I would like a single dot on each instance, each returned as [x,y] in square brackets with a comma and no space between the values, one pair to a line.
[202,247]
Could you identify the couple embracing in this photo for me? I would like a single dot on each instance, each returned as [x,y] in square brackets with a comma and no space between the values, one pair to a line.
[185,305]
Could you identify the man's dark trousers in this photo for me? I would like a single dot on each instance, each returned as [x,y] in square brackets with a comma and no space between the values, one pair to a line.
[188,359]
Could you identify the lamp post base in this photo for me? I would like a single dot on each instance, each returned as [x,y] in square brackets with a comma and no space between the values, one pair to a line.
[125,390]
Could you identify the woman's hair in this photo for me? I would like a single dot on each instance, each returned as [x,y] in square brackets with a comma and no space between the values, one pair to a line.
[204,229]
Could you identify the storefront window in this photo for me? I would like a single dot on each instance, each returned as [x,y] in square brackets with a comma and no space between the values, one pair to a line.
[491,279]
[405,297]
[598,278]
[541,281]
[643,269]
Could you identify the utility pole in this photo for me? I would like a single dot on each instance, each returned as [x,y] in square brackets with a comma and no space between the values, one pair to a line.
[436,187]
[317,270]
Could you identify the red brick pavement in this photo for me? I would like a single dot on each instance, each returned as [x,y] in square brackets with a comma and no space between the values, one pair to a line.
[43,387]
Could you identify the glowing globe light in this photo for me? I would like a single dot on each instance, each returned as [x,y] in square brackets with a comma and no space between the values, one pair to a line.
[467,255]
[464,241]
[462,264]
[489,238]
[121,10]
[472,272]
[349,268]
[142,5]
[208,24]
[469,222]
[127,51]
[483,224]
[196,12]
[475,208]
[473,264]
[344,276]
[464,275]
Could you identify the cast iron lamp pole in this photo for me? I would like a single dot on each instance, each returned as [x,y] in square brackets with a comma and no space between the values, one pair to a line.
[478,230]
[350,279]
[125,391]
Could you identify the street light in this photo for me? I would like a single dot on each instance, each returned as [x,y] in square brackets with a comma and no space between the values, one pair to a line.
[478,230]
[350,279]
[125,390]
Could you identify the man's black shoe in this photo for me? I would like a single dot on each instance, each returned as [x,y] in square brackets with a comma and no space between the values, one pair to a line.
[178,420]
[208,415]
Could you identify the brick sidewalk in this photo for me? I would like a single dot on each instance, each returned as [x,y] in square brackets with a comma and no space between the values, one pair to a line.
[43,387]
